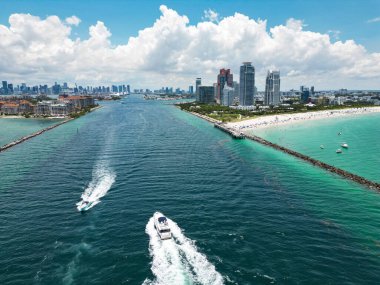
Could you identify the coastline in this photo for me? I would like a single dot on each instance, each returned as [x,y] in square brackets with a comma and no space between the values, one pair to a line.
[41,117]
[284,119]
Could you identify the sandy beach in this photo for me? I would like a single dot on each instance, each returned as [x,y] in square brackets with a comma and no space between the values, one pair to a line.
[274,120]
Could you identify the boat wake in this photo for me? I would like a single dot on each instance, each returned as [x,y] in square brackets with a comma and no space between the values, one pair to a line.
[177,260]
[102,179]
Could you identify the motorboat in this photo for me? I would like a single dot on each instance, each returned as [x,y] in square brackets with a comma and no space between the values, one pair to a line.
[85,205]
[338,150]
[161,225]
[344,145]
[322,146]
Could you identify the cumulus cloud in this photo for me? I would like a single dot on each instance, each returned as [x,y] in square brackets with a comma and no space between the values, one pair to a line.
[73,20]
[211,15]
[171,52]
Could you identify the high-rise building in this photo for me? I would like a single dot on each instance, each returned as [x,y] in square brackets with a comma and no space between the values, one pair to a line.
[305,95]
[5,87]
[228,96]
[10,88]
[198,82]
[312,90]
[206,94]
[272,88]
[191,89]
[224,77]
[247,84]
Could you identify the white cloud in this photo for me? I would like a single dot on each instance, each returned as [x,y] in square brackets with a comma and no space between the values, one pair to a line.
[73,20]
[211,15]
[374,20]
[172,52]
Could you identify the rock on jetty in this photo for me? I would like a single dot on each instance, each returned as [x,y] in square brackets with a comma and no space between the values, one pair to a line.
[333,169]
[28,137]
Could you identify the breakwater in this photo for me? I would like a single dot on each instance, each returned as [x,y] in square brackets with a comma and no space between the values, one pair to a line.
[231,132]
[28,137]
[343,173]
[328,167]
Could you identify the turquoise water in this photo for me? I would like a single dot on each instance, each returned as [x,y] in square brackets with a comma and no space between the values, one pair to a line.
[12,129]
[361,133]
[245,214]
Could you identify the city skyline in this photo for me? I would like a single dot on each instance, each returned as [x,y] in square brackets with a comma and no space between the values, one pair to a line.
[78,47]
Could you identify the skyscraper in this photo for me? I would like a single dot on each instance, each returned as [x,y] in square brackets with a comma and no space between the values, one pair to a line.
[247,84]
[224,77]
[227,98]
[198,82]
[5,87]
[272,88]
[206,94]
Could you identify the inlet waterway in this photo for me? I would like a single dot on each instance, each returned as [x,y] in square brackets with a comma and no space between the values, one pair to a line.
[242,213]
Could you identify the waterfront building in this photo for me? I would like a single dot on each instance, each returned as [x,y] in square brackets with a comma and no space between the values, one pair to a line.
[198,82]
[228,96]
[247,84]
[272,88]
[59,110]
[224,77]
[191,89]
[43,108]
[25,107]
[206,94]
[9,109]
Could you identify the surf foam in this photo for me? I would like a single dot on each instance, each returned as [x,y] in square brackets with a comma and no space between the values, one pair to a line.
[177,261]
[102,179]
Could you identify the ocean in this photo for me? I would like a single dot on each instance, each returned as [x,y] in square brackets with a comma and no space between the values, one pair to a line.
[241,213]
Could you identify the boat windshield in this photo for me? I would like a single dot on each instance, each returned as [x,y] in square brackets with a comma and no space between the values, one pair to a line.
[162,220]
[165,231]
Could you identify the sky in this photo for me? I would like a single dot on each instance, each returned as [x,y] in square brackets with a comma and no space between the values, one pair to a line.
[150,44]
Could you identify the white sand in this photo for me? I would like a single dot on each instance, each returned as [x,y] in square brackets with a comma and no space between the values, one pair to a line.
[274,120]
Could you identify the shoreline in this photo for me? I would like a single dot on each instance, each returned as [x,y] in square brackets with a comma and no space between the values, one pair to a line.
[41,117]
[285,119]
[30,136]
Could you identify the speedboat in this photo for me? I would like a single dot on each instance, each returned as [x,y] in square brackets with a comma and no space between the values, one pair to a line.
[85,205]
[344,145]
[161,225]
[338,150]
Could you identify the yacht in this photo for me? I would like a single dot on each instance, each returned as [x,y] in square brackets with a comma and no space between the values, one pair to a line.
[344,145]
[338,150]
[161,225]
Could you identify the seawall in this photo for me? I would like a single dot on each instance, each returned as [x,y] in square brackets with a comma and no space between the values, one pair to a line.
[28,137]
[343,173]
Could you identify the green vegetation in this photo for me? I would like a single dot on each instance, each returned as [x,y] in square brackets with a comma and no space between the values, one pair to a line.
[82,112]
[227,114]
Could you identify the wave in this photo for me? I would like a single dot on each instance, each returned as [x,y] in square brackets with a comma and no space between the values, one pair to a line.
[177,261]
[102,179]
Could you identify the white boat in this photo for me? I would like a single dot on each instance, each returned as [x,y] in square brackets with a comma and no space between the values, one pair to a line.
[338,150]
[85,205]
[161,225]
[344,145]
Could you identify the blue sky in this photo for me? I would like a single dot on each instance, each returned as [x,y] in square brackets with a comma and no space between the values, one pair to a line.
[326,43]
[125,18]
